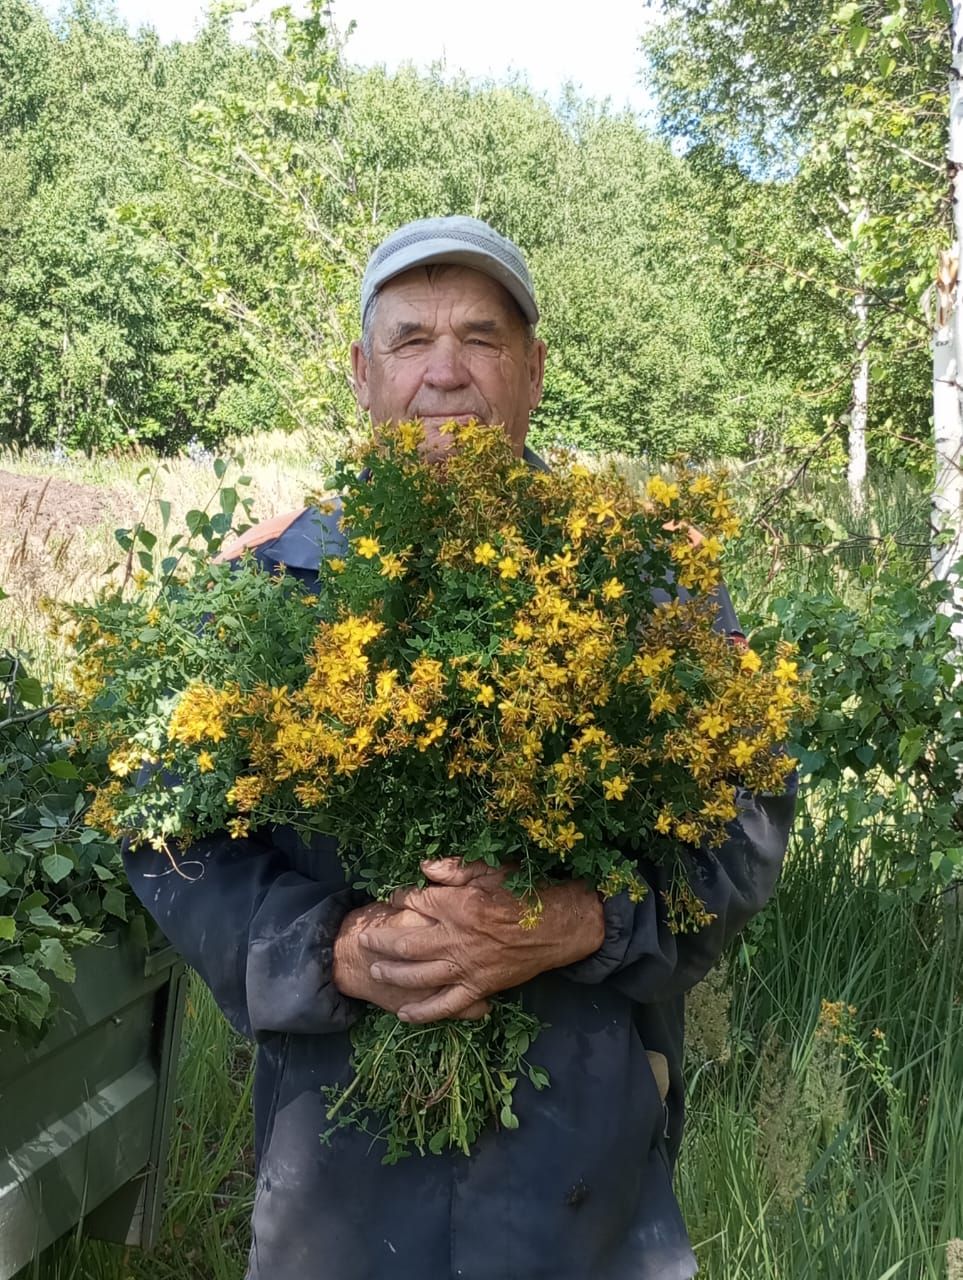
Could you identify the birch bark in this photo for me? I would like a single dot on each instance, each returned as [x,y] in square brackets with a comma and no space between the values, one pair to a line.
[948,357]
[859,409]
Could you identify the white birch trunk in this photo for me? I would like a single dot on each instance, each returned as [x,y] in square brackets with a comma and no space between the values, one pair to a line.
[947,507]
[948,358]
[859,409]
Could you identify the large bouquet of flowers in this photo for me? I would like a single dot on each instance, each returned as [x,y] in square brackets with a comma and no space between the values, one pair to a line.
[501,666]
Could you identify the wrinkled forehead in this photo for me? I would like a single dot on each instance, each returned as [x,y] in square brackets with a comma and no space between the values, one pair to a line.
[424,291]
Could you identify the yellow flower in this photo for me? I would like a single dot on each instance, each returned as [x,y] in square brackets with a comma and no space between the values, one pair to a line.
[613,589]
[522,631]
[368,547]
[336,564]
[433,732]
[663,823]
[410,435]
[153,616]
[750,660]
[742,753]
[700,485]
[712,725]
[392,565]
[662,700]
[245,793]
[205,761]
[576,527]
[651,664]
[238,827]
[485,553]
[615,788]
[786,670]
[123,762]
[565,835]
[508,567]
[661,491]
[486,695]
[385,681]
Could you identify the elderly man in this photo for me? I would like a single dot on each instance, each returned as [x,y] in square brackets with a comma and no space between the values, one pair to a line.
[582,1190]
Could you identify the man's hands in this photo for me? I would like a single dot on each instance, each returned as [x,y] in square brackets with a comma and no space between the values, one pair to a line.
[441,951]
[353,959]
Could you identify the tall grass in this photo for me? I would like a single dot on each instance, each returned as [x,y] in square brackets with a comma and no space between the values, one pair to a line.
[825,1065]
[827,1143]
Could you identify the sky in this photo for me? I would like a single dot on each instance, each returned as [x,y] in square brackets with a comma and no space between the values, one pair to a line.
[596,47]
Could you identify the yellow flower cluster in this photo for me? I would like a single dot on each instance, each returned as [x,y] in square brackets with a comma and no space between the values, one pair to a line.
[491,642]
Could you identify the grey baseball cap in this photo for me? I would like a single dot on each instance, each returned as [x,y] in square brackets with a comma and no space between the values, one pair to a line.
[466,241]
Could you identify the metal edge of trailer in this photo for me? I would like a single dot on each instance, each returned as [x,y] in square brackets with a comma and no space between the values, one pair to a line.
[85,1114]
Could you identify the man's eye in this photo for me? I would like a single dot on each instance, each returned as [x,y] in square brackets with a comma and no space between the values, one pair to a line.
[479,342]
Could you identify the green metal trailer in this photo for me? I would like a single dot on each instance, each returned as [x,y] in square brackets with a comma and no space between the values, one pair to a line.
[85,1115]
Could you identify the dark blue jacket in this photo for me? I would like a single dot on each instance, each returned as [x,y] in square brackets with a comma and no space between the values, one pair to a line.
[582,1190]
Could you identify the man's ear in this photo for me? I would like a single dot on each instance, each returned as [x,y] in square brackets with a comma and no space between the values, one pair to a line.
[536,372]
[359,372]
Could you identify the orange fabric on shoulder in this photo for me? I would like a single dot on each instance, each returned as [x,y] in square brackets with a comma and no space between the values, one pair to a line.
[258,535]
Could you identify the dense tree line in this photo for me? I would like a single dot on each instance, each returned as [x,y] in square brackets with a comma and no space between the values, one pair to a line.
[183,226]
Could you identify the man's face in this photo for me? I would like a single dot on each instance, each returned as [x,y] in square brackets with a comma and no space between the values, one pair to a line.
[449,345]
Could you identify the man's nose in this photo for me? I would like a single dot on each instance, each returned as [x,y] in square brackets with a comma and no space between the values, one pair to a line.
[447,367]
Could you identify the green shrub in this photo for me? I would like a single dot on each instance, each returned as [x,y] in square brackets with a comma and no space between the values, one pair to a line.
[61,881]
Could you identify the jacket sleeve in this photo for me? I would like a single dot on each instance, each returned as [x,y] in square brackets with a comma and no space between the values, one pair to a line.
[642,957]
[259,934]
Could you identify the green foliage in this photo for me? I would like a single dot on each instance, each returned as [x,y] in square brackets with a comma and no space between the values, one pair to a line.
[183,230]
[840,114]
[398,1068]
[61,882]
[886,680]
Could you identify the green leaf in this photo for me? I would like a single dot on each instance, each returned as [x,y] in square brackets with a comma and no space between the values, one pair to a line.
[29,691]
[508,1117]
[115,903]
[8,928]
[858,37]
[56,960]
[27,979]
[911,746]
[41,918]
[438,1141]
[57,867]
[62,769]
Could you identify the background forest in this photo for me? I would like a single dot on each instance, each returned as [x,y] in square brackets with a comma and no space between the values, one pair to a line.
[183,228]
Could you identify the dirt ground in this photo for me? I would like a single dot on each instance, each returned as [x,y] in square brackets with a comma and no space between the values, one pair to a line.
[44,504]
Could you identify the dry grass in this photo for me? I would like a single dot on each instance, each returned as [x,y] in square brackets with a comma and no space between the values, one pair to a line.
[58,520]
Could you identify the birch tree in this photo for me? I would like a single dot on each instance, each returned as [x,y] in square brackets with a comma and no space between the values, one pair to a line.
[848,99]
[948,356]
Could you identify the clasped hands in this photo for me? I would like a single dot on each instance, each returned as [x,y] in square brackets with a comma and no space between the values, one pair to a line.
[442,951]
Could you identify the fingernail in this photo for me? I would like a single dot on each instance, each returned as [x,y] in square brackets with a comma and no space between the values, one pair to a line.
[403,1017]
[376,972]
